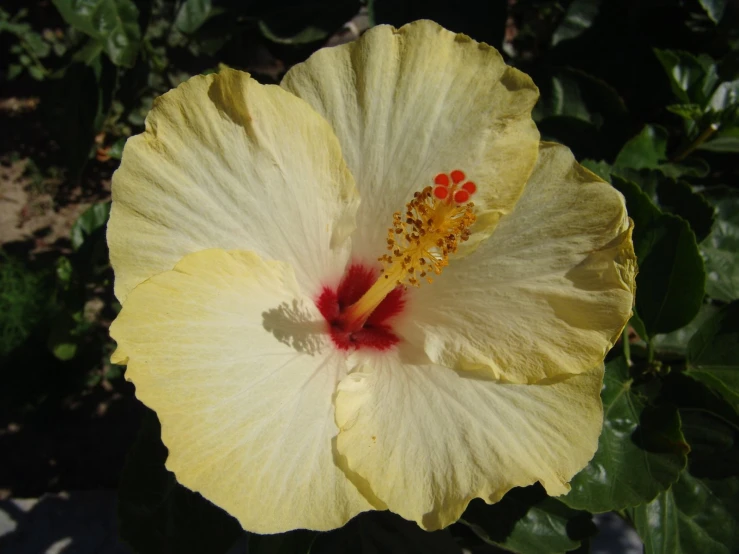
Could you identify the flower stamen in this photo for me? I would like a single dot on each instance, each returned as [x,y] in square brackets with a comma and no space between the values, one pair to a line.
[421,240]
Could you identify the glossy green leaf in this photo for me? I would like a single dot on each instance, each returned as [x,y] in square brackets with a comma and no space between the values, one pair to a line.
[694,516]
[112,22]
[671,278]
[192,14]
[640,454]
[714,8]
[713,353]
[528,522]
[692,78]
[92,219]
[156,514]
[725,96]
[578,18]
[720,248]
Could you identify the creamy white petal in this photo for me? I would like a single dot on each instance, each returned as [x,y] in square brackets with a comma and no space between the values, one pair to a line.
[236,364]
[426,439]
[228,163]
[409,103]
[547,294]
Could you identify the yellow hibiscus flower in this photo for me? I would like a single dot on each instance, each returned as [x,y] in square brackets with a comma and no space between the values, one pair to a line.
[298,385]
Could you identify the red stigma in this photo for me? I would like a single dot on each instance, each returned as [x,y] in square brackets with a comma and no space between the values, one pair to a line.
[470,187]
[461,196]
[457,176]
[376,333]
[442,179]
[441,192]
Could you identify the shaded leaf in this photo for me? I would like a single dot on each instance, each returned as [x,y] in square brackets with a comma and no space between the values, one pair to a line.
[156,514]
[720,248]
[640,453]
[528,522]
[112,22]
[713,353]
[678,197]
[695,515]
[192,14]
[724,141]
[676,342]
[383,533]
[578,18]
[725,96]
[671,278]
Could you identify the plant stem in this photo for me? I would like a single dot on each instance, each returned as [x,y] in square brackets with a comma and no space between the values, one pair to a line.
[703,137]
[626,345]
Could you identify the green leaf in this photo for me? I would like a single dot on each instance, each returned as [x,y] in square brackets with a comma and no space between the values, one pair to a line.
[648,150]
[640,454]
[679,198]
[720,248]
[686,111]
[694,516]
[601,168]
[382,532]
[725,141]
[713,353]
[156,514]
[692,78]
[113,22]
[671,279]
[305,36]
[725,96]
[92,219]
[116,150]
[676,342]
[714,8]
[192,14]
[572,93]
[527,521]
[578,18]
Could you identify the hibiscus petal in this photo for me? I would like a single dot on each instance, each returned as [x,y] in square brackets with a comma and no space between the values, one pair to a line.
[547,294]
[426,439]
[408,104]
[236,364]
[228,163]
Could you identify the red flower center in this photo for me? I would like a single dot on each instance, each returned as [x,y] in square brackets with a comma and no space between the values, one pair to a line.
[376,333]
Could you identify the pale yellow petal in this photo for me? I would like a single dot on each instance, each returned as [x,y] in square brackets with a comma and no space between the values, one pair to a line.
[409,103]
[426,439]
[235,362]
[547,294]
[228,163]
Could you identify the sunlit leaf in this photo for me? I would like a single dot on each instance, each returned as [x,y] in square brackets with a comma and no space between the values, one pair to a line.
[640,453]
[714,8]
[113,22]
[90,221]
